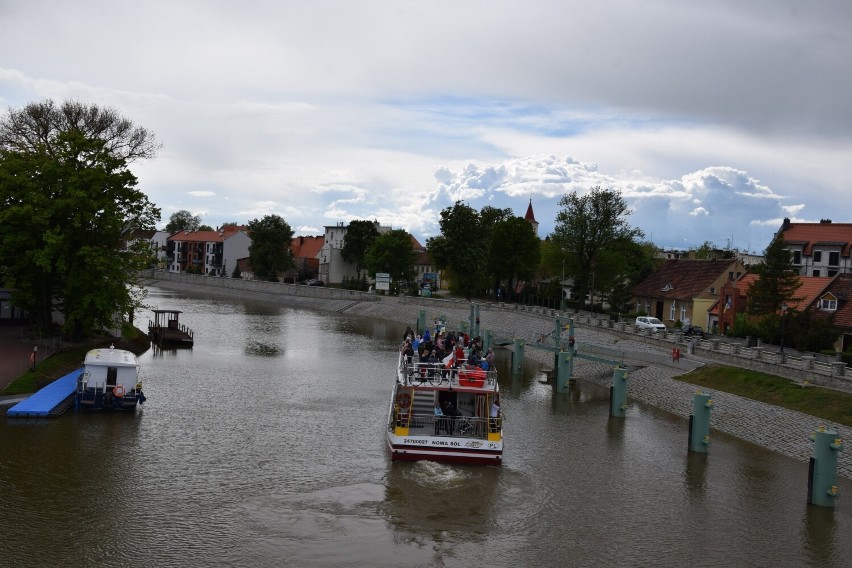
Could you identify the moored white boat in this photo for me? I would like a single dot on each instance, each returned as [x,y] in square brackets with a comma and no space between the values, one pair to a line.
[464,433]
[109,380]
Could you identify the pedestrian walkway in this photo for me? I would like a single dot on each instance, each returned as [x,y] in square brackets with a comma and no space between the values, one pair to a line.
[15,354]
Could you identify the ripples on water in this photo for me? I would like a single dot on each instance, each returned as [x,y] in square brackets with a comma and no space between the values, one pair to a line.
[264,446]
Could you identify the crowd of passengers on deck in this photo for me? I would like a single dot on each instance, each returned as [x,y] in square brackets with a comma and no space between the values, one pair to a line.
[454,349]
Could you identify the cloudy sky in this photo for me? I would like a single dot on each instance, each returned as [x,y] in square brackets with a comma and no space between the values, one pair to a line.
[714,119]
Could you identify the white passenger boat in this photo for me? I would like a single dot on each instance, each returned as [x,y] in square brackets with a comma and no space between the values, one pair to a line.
[109,380]
[464,433]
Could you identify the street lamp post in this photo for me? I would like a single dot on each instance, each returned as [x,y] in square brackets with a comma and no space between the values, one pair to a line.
[783,317]
[562,289]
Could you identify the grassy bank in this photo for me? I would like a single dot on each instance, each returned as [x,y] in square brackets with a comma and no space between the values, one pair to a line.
[63,362]
[816,401]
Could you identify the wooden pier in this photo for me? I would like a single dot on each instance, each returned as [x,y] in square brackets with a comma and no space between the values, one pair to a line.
[167,330]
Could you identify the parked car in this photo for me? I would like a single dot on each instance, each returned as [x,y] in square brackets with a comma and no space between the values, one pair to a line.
[646,322]
[694,331]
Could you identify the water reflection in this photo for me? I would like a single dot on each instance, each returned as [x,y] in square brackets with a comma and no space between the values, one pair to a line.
[695,469]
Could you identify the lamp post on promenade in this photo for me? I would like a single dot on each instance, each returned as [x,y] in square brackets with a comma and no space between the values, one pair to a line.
[783,317]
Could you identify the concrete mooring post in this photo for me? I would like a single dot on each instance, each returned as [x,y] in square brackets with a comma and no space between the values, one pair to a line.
[487,340]
[699,422]
[518,356]
[822,473]
[557,339]
[618,392]
[476,322]
[564,368]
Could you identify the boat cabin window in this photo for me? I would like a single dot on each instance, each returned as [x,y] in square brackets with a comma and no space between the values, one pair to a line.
[112,375]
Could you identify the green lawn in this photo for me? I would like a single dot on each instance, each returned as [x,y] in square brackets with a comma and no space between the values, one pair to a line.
[60,364]
[816,401]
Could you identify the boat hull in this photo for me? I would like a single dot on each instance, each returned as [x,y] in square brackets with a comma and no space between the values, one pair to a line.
[446,450]
[96,399]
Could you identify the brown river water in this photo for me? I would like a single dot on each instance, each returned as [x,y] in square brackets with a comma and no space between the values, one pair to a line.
[264,446]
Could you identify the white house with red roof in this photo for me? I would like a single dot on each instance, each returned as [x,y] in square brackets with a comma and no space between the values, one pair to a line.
[213,253]
[818,249]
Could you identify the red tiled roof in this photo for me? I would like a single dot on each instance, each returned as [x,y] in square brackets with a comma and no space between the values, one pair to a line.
[198,236]
[685,279]
[306,247]
[810,234]
[415,244]
[530,216]
[841,288]
[811,288]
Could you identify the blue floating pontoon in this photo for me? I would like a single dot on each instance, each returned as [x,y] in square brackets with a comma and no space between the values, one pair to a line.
[47,401]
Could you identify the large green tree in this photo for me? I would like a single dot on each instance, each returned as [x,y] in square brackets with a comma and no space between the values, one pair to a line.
[589,228]
[463,249]
[269,251]
[392,252]
[67,203]
[777,283]
[515,251]
[182,220]
[360,235]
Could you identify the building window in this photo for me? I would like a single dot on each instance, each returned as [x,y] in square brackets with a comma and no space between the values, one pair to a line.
[832,273]
[828,304]
[797,257]
[817,256]
[683,312]
[816,273]
[833,258]
[713,290]
[672,311]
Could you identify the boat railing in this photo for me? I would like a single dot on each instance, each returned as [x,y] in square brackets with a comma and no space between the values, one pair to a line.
[420,373]
[449,426]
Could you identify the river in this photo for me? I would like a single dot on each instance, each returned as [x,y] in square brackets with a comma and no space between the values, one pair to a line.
[264,446]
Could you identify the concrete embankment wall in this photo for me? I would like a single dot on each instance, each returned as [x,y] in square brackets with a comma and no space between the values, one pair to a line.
[778,429]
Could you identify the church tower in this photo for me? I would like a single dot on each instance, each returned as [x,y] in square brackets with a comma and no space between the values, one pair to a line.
[530,218]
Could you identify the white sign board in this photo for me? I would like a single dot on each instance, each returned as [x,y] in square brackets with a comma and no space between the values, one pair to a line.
[382,285]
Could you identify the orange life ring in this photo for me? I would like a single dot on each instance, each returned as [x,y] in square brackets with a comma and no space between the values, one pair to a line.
[403,400]
[118,391]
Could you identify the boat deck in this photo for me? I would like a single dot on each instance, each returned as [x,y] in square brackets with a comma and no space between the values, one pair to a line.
[52,400]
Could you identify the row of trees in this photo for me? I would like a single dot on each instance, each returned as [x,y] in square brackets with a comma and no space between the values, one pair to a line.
[592,244]
[364,247]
